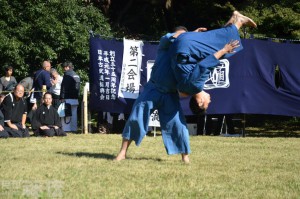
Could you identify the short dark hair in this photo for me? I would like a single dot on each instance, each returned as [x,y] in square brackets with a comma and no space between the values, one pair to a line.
[8,67]
[180,28]
[69,64]
[47,93]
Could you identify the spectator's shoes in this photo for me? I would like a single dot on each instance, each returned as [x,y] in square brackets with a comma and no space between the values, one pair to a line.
[104,129]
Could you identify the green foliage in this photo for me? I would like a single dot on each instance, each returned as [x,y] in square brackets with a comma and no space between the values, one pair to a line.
[57,30]
[32,31]
[274,18]
[277,20]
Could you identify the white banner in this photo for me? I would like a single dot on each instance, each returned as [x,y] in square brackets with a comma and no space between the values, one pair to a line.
[130,78]
[154,119]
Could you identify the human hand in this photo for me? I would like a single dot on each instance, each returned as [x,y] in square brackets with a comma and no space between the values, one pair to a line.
[1,128]
[55,127]
[203,99]
[54,81]
[13,126]
[229,48]
[34,107]
[200,29]
[44,127]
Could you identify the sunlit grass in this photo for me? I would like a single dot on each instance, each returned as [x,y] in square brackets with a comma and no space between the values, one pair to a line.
[221,167]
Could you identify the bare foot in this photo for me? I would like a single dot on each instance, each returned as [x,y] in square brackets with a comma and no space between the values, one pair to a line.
[244,20]
[120,156]
[123,150]
[185,158]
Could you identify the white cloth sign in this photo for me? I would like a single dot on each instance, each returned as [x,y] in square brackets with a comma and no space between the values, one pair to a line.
[154,119]
[131,69]
[219,77]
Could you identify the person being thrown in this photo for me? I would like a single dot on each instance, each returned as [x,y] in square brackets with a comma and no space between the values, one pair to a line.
[183,62]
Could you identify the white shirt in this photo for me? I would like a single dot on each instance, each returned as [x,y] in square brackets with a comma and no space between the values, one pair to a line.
[55,89]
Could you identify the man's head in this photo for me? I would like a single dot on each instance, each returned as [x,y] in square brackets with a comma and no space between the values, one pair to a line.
[46,65]
[54,73]
[19,91]
[68,66]
[47,98]
[179,28]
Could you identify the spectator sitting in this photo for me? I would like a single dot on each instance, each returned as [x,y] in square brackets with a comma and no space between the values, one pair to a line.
[14,109]
[46,121]
[3,133]
[8,82]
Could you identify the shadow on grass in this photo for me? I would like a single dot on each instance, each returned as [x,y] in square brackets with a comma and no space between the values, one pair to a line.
[105,156]
[145,158]
[89,155]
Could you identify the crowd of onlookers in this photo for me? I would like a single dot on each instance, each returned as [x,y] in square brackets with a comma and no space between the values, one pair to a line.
[35,101]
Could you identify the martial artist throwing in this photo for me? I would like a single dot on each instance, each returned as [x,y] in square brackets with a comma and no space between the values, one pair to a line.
[182,65]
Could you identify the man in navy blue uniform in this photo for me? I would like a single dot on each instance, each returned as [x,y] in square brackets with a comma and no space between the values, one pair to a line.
[183,62]
[41,78]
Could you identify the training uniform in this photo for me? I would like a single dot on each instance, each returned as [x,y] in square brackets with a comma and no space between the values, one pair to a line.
[193,56]
[3,133]
[175,69]
[13,111]
[160,93]
[47,116]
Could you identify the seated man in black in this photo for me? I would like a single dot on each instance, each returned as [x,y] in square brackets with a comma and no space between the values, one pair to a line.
[14,109]
[3,133]
[46,121]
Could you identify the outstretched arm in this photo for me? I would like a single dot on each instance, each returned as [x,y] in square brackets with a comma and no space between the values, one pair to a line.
[228,48]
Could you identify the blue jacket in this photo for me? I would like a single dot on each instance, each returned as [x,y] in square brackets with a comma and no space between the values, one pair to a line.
[41,77]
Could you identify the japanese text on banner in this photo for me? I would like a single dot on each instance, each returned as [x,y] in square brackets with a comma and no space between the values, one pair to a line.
[130,78]
[107,74]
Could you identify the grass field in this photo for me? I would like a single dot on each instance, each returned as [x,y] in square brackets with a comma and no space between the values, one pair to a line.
[81,166]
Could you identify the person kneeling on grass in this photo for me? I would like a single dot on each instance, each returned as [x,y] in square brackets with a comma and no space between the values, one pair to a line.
[14,109]
[46,121]
[3,133]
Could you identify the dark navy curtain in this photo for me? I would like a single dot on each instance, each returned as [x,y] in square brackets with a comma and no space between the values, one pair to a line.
[252,87]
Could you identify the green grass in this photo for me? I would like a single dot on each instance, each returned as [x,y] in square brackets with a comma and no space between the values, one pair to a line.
[81,166]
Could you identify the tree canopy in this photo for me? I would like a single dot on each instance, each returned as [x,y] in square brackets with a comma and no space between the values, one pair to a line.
[39,30]
[149,18]
[32,31]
